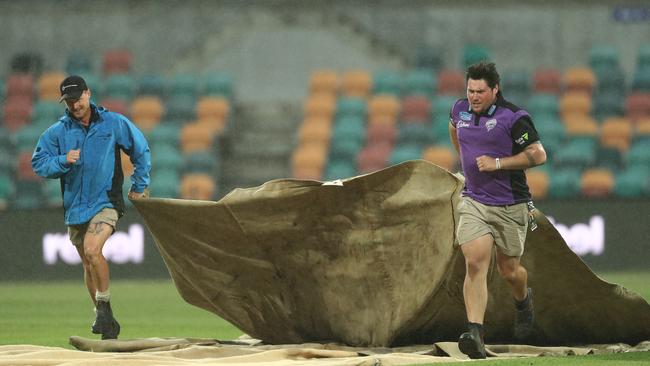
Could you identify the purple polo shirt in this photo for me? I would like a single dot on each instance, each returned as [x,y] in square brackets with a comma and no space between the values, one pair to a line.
[502,130]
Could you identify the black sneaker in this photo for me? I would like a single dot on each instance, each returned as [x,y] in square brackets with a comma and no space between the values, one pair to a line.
[471,343]
[105,324]
[524,317]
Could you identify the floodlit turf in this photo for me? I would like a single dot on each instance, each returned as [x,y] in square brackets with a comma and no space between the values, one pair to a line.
[47,313]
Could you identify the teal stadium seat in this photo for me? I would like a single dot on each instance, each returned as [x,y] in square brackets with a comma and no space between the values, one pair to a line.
[473,53]
[119,86]
[564,183]
[552,133]
[28,195]
[165,156]
[152,85]
[641,80]
[340,169]
[405,152]
[217,84]
[604,56]
[6,190]
[351,107]
[543,105]
[515,86]
[429,58]
[78,62]
[184,84]
[165,133]
[416,134]
[607,104]
[181,107]
[643,57]
[47,112]
[52,193]
[165,183]
[349,128]
[577,154]
[441,105]
[27,137]
[639,154]
[345,149]
[200,162]
[632,182]
[96,86]
[420,82]
[387,82]
[440,130]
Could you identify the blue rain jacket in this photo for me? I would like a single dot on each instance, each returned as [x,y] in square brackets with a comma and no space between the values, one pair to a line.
[95,181]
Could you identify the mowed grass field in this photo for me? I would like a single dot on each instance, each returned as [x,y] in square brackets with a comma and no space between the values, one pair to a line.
[47,313]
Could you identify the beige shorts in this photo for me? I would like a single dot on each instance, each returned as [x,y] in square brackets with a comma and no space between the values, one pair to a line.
[506,224]
[77,232]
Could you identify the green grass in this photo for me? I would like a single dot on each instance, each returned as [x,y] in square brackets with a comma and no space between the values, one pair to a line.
[47,313]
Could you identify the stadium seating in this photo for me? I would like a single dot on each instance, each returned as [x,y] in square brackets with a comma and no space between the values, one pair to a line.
[420,82]
[538,182]
[387,82]
[116,61]
[197,186]
[596,183]
[547,81]
[356,83]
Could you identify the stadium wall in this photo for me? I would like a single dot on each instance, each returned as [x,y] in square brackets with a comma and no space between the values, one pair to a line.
[608,234]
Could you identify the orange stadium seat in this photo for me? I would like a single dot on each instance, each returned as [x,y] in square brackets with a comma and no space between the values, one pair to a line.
[213,108]
[616,132]
[597,182]
[324,82]
[315,130]
[441,156]
[356,83]
[575,103]
[577,125]
[320,105]
[642,129]
[308,160]
[579,79]
[382,120]
[538,182]
[384,105]
[196,137]
[48,85]
[197,186]
[147,112]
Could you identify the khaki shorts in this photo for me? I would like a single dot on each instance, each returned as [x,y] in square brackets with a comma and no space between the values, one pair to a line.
[506,224]
[77,232]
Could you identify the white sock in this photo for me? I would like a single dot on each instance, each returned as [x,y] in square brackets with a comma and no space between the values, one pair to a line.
[103,296]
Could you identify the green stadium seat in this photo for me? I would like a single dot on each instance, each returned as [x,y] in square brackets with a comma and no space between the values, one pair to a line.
[420,82]
[181,107]
[340,169]
[47,112]
[7,190]
[610,158]
[441,105]
[641,80]
[200,162]
[610,80]
[516,81]
[345,149]
[551,132]
[564,183]
[643,57]
[78,62]
[608,104]
[119,86]
[440,129]
[604,56]
[387,82]
[28,195]
[351,107]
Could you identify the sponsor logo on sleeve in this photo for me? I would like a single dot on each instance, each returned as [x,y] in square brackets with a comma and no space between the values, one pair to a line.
[522,140]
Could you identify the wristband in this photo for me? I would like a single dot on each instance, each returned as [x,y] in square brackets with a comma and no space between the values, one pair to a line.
[498,161]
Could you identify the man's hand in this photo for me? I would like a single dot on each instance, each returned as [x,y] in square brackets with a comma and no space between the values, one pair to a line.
[137,195]
[72,156]
[486,163]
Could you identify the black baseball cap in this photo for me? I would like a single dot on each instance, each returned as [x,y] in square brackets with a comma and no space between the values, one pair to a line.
[72,87]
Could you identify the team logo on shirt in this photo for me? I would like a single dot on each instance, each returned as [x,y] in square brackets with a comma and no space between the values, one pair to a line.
[522,140]
[490,124]
[465,116]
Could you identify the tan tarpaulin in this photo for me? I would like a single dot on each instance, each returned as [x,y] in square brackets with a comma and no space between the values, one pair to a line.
[370,261]
[210,352]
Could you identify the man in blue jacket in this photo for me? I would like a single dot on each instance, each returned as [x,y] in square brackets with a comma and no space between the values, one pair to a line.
[82,150]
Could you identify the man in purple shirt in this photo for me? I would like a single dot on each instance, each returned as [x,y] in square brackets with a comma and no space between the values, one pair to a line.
[496,141]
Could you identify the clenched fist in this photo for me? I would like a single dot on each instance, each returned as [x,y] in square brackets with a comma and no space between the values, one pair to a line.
[72,156]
